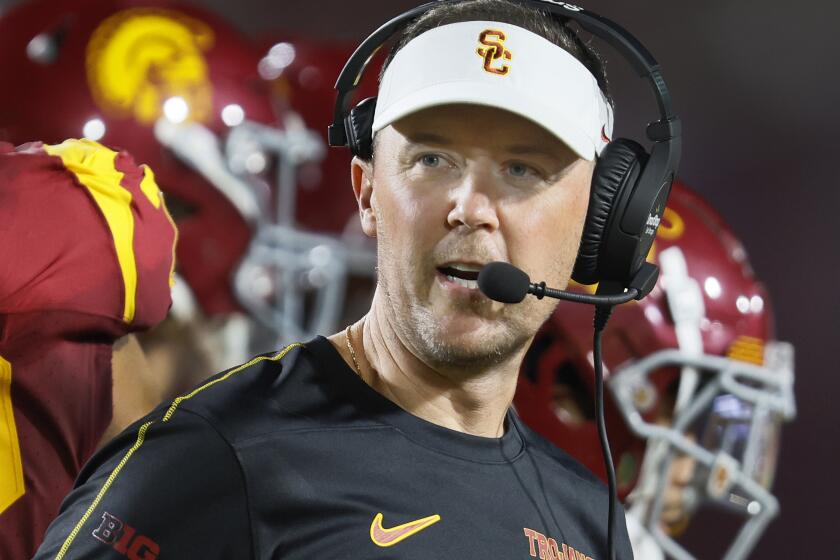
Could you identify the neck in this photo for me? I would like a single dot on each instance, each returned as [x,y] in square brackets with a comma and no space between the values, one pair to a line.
[475,404]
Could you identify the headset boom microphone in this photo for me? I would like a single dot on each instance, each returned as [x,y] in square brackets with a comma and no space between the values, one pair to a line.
[503,282]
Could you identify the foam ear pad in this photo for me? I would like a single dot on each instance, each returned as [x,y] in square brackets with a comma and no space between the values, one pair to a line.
[358,126]
[618,163]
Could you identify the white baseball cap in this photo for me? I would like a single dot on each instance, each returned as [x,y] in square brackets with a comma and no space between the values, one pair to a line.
[498,65]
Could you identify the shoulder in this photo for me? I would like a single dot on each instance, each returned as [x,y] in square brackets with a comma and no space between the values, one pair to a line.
[244,388]
[296,388]
[559,458]
[87,231]
[36,168]
[181,462]
[159,472]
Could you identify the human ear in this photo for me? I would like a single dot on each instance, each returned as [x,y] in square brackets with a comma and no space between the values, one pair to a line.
[361,175]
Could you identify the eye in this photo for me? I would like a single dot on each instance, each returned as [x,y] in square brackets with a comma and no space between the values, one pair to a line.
[518,169]
[430,160]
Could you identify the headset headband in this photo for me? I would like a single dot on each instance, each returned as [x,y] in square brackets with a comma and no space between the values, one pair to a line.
[663,130]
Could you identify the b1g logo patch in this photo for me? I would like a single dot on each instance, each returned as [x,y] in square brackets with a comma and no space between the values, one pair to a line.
[124,539]
[493,50]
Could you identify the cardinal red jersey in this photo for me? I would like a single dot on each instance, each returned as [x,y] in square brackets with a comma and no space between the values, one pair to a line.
[86,253]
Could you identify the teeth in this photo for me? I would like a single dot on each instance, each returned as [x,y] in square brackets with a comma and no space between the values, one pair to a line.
[467,267]
[471,284]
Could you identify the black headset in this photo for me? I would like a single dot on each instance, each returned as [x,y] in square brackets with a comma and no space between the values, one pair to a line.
[630,186]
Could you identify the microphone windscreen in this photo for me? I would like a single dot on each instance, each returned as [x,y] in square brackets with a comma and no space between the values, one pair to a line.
[501,281]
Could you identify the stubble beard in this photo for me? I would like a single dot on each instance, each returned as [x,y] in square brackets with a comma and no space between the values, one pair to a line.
[442,353]
[417,324]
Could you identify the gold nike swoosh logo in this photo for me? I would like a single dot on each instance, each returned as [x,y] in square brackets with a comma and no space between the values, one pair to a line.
[389,537]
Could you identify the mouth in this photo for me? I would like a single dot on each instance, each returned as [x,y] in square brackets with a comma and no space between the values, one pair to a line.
[464,275]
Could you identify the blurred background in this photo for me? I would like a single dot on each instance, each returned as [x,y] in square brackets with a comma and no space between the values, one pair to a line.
[756,85]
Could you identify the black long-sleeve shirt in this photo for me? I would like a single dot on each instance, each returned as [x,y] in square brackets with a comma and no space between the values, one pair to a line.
[293,456]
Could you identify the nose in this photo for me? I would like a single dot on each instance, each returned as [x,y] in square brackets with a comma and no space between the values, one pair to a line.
[473,205]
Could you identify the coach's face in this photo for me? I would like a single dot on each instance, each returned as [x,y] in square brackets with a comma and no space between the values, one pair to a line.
[451,189]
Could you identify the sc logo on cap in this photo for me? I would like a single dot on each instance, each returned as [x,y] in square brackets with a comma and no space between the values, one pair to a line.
[494,50]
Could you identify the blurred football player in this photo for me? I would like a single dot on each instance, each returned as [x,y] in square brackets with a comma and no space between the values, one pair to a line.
[165,84]
[87,248]
[262,257]
[699,387]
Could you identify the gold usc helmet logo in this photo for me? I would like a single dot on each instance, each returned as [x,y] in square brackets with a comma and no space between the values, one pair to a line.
[671,228]
[494,50]
[139,58]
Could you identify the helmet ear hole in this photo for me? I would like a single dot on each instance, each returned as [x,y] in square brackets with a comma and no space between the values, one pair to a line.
[179,209]
[570,396]
[45,47]
[42,49]
[559,379]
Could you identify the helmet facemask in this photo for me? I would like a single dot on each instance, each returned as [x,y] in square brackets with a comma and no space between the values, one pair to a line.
[724,425]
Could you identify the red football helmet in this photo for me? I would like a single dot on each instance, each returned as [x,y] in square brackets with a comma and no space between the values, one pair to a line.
[141,75]
[181,91]
[692,371]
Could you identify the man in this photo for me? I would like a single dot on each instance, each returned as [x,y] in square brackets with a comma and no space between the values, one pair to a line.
[396,432]
[87,252]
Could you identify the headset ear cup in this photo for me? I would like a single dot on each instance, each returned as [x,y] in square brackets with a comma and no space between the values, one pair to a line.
[616,165]
[358,126]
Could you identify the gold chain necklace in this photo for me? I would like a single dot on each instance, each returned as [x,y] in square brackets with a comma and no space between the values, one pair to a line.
[352,351]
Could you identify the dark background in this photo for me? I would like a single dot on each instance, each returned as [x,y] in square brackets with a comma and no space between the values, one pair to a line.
[756,84]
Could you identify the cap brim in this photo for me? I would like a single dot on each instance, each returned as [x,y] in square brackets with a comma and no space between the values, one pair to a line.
[477,93]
